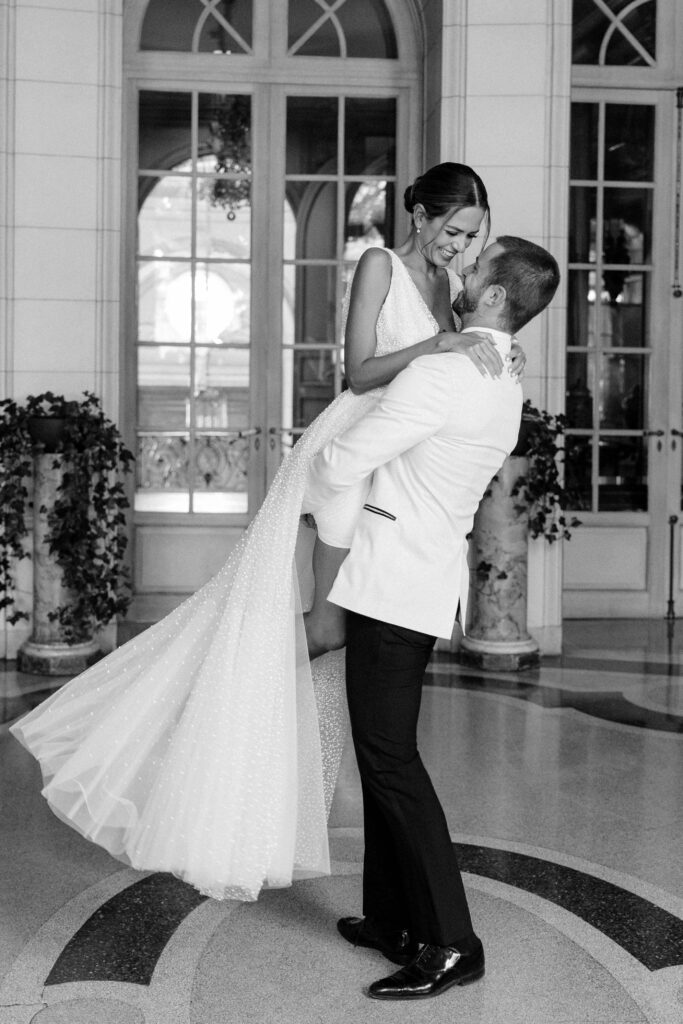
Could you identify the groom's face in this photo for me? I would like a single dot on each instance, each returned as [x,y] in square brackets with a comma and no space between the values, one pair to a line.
[475,280]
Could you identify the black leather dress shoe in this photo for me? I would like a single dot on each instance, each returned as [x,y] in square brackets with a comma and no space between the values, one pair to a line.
[396,946]
[434,969]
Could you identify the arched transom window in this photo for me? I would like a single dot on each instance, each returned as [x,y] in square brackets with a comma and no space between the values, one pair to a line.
[615,32]
[315,28]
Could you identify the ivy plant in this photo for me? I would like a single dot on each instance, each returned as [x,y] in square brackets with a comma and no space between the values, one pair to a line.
[86,525]
[541,489]
[15,500]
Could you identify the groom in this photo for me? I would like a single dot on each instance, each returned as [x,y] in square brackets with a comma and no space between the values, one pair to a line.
[435,439]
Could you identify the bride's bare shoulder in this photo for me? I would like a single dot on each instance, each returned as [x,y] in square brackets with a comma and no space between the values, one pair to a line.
[376,255]
[375,266]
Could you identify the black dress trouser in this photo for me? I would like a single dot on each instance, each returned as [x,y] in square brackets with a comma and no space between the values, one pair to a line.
[411,877]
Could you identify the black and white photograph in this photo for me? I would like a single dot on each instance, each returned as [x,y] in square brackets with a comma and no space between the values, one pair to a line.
[341,511]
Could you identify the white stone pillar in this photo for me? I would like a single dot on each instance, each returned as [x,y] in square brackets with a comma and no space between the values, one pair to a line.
[503,108]
[46,652]
[497,636]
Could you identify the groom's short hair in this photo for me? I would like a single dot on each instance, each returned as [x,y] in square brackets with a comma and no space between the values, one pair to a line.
[530,276]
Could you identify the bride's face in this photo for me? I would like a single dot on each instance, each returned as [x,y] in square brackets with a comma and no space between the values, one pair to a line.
[443,238]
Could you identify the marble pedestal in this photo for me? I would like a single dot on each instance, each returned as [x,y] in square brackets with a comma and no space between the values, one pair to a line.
[497,636]
[45,652]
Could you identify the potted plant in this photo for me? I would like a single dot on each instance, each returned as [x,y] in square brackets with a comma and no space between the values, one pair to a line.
[79,502]
[46,419]
[526,497]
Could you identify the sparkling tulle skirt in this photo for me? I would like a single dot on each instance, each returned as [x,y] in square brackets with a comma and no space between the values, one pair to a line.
[209,746]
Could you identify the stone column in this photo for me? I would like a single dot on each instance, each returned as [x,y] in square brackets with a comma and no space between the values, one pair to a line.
[524,152]
[497,637]
[45,652]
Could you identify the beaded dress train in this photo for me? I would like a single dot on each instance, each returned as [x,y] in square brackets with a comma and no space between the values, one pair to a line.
[209,745]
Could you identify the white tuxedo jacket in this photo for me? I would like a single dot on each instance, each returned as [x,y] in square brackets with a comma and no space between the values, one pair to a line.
[437,436]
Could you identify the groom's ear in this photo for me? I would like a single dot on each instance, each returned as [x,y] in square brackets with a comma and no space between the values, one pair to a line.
[494,296]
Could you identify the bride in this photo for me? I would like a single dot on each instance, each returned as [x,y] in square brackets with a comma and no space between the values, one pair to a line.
[209,746]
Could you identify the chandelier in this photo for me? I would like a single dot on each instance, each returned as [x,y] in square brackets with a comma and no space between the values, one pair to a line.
[229,141]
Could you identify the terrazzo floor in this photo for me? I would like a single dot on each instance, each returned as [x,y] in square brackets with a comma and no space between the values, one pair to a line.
[562,788]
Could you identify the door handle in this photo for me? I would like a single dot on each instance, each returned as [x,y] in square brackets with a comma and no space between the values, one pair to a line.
[279,433]
[237,435]
[655,433]
[249,432]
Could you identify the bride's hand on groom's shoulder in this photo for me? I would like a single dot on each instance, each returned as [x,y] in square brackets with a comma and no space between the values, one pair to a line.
[517,360]
[477,346]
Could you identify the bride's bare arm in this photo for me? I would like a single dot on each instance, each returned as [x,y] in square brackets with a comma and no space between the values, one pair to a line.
[364,370]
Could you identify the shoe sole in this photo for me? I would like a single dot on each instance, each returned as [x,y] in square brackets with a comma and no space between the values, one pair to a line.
[466,979]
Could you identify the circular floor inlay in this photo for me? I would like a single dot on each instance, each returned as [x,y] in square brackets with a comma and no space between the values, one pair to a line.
[282,959]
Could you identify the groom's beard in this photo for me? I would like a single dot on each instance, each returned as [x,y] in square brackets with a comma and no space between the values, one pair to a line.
[467,301]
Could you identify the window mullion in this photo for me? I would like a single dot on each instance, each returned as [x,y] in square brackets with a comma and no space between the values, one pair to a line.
[599,235]
[341,231]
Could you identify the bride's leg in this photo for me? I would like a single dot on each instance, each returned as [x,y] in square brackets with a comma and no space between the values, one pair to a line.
[325,622]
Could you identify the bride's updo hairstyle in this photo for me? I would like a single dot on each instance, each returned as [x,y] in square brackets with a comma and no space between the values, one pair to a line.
[446,188]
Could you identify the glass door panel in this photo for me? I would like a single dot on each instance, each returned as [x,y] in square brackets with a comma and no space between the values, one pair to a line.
[623,379]
[312,152]
[610,270]
[221,233]
[629,142]
[622,474]
[194,302]
[578,470]
[339,199]
[165,222]
[370,136]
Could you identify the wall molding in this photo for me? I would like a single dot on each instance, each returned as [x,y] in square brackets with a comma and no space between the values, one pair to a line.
[109,215]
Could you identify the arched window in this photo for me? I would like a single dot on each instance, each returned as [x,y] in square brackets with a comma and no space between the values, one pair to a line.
[615,32]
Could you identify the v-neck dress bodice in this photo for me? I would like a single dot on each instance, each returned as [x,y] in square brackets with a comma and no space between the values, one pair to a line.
[405,318]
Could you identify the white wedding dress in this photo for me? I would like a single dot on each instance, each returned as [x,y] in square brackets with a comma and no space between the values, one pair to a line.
[209,746]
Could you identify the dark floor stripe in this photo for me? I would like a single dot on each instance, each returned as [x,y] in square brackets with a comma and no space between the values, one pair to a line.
[124,939]
[610,706]
[648,933]
[632,667]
